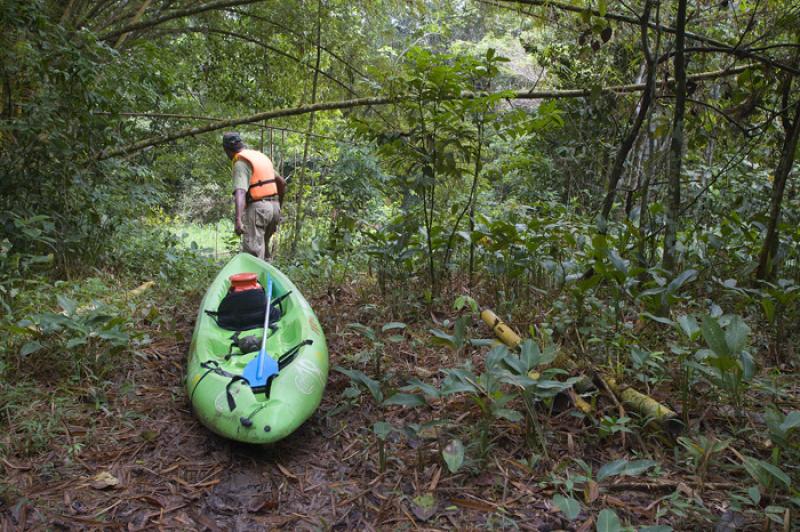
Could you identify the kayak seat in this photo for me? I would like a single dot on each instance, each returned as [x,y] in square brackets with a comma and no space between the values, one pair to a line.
[244,310]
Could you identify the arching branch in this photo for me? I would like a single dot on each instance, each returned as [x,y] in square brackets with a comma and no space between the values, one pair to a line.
[301,36]
[718,46]
[384,100]
[180,13]
[262,44]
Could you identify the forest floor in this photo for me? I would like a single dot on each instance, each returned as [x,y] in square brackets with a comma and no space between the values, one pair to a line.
[150,464]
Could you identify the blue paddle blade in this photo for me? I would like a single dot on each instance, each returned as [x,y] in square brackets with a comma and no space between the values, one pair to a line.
[259,370]
[269,368]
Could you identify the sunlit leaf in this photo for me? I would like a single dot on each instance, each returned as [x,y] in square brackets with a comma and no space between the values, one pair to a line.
[453,455]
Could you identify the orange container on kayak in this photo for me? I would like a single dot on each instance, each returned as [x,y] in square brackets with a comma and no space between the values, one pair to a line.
[244,281]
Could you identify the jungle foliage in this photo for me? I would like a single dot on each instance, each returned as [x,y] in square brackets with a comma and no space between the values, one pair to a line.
[649,234]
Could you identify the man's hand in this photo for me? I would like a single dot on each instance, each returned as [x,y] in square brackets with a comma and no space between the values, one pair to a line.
[240,204]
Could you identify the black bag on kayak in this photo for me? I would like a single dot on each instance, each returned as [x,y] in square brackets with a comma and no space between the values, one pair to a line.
[243,310]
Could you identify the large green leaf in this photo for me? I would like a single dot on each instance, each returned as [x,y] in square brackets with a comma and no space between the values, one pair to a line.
[689,326]
[791,421]
[405,399]
[568,506]
[764,472]
[380,428]
[776,473]
[360,377]
[715,337]
[29,348]
[507,413]
[69,305]
[625,468]
[608,521]
[416,384]
[496,356]
[736,334]
[612,468]
[529,353]
[442,338]
[659,319]
[680,280]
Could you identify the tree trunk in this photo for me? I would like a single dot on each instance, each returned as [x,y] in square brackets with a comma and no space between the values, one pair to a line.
[629,140]
[767,266]
[676,146]
[478,166]
[470,206]
[298,218]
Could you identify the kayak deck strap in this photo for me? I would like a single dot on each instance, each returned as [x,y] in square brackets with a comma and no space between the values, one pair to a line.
[212,366]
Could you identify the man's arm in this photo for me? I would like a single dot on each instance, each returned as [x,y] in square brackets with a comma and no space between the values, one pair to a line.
[281,183]
[239,203]
[241,179]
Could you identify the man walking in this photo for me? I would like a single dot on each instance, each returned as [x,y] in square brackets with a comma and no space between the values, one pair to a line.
[258,195]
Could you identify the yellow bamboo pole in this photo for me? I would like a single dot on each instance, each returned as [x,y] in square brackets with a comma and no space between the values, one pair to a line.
[637,401]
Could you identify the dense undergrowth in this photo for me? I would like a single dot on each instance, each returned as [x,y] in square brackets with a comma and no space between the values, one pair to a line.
[66,341]
[708,343]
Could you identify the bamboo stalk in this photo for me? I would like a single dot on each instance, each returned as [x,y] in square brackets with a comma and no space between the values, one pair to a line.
[648,407]
[637,401]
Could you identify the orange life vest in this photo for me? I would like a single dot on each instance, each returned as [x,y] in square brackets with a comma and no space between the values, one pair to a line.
[262,182]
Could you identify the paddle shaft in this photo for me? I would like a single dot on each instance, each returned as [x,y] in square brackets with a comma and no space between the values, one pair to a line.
[263,352]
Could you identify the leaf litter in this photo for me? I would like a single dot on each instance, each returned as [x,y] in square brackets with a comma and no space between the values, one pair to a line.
[150,463]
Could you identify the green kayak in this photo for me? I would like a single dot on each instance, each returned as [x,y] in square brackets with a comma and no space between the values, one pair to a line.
[223,344]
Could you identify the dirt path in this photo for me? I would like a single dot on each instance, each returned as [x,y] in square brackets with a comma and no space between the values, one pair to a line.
[154,465]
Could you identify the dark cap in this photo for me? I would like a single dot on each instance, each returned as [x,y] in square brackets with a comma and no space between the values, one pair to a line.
[232,141]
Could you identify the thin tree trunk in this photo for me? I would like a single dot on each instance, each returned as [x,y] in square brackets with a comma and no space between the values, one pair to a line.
[652,150]
[9,96]
[629,140]
[470,200]
[676,146]
[767,266]
[473,191]
[298,219]
[434,283]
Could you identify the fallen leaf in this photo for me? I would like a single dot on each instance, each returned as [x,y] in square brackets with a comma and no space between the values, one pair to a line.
[424,506]
[286,472]
[104,480]
[149,435]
